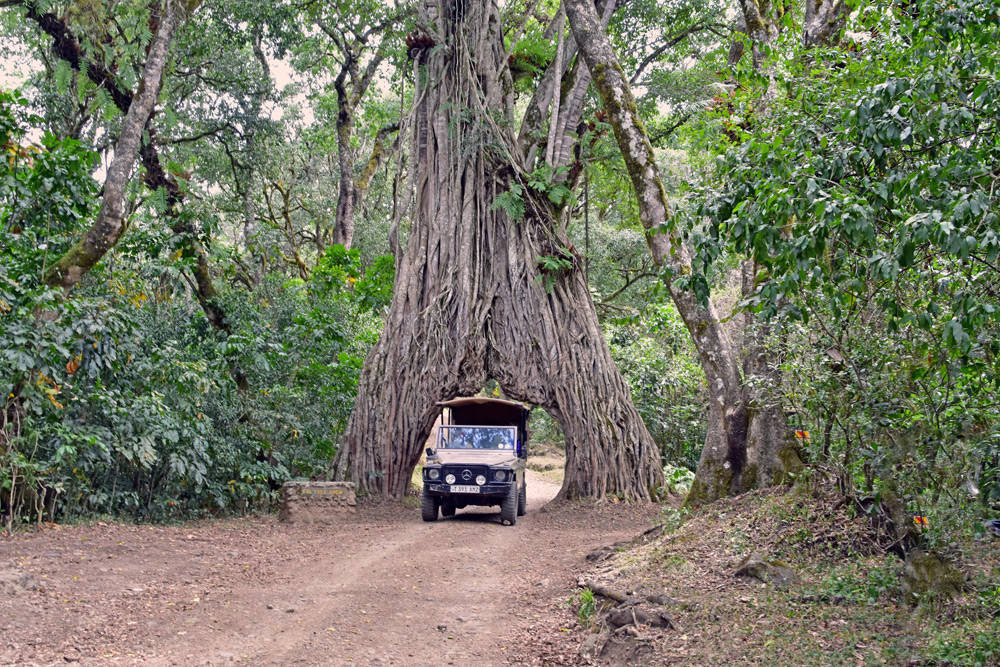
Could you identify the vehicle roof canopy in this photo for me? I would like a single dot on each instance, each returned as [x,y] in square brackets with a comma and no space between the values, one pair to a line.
[479,411]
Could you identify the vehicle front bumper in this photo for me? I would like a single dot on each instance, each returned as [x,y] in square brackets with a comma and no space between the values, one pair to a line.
[484,490]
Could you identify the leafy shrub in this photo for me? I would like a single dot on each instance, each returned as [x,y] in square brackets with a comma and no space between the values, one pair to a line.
[678,480]
[667,384]
[122,399]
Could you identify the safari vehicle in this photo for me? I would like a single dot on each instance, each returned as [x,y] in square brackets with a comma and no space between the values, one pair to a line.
[479,459]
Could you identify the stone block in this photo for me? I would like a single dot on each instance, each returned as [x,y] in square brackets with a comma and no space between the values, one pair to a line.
[316,502]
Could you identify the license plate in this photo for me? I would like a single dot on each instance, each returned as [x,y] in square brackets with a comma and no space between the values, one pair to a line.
[464,489]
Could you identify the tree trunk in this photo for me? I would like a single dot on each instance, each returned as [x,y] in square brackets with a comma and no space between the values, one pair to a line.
[343,230]
[351,84]
[824,23]
[550,145]
[762,21]
[67,47]
[748,442]
[382,151]
[773,451]
[470,301]
[110,224]
[353,190]
[533,124]
[726,466]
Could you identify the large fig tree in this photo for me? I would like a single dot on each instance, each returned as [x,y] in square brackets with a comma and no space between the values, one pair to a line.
[488,285]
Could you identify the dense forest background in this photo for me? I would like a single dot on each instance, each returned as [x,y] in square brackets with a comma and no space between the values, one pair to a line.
[213,349]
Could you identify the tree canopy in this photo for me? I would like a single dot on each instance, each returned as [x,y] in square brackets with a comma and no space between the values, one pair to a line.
[690,233]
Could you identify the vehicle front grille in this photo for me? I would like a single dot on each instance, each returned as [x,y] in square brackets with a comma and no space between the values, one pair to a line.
[466,474]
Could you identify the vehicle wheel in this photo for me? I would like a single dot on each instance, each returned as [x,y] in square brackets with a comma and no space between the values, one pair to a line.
[522,501]
[428,508]
[448,508]
[508,508]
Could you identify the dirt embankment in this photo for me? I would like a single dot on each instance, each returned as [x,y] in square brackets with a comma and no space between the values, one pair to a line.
[675,598]
[383,588]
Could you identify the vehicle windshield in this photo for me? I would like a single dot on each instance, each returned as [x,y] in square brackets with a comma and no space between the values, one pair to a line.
[477,437]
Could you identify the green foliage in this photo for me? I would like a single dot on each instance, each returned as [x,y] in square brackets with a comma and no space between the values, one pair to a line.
[882,182]
[865,195]
[672,518]
[658,361]
[586,606]
[374,289]
[528,60]
[543,428]
[339,270]
[121,399]
[46,194]
[874,585]
[550,266]
[543,180]
[678,480]
[510,202]
[953,647]
[130,407]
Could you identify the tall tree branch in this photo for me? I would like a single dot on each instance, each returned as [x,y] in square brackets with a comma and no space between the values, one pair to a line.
[67,47]
[671,43]
[109,226]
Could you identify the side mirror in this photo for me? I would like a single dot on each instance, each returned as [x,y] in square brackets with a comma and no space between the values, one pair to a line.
[430,452]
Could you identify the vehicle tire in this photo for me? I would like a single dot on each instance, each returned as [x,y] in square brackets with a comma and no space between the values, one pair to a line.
[448,508]
[428,508]
[522,501]
[508,508]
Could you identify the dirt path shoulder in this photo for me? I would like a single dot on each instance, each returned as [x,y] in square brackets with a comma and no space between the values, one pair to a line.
[384,588]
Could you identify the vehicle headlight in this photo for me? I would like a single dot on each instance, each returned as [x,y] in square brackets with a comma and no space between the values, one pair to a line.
[499,475]
[480,480]
[434,473]
[450,479]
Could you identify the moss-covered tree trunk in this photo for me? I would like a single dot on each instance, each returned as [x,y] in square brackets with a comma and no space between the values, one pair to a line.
[773,450]
[109,226]
[471,299]
[347,194]
[351,85]
[824,22]
[727,466]
[761,21]
[67,47]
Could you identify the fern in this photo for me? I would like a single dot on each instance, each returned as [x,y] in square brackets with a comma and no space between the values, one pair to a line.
[63,76]
[542,180]
[105,104]
[552,265]
[510,202]
[159,200]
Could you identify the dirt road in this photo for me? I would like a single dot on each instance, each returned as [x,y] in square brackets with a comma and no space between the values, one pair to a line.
[384,588]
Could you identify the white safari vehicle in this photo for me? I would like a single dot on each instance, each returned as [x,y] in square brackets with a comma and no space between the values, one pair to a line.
[479,459]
